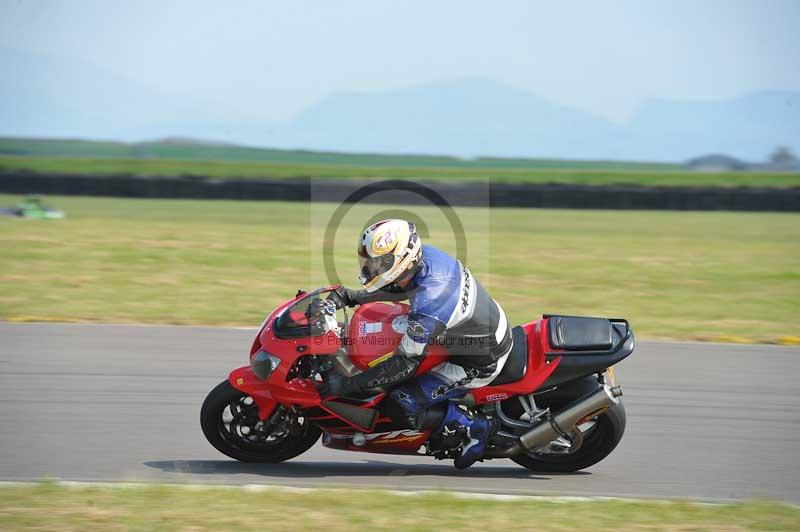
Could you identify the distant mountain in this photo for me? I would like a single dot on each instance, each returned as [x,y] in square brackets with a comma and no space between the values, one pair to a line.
[473,117]
[41,95]
[464,118]
[749,127]
[47,97]
[190,141]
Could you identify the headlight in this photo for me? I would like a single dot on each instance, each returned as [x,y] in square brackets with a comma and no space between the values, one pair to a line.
[263,364]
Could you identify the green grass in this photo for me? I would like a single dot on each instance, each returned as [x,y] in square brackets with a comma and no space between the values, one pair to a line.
[685,275]
[181,159]
[258,170]
[185,151]
[53,507]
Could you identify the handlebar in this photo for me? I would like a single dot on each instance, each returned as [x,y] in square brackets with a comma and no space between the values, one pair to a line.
[319,310]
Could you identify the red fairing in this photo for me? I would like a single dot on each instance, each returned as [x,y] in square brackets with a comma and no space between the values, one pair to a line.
[278,388]
[537,371]
[244,380]
[373,333]
[401,441]
[290,349]
[376,330]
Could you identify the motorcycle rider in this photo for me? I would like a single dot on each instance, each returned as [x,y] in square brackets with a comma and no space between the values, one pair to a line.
[447,305]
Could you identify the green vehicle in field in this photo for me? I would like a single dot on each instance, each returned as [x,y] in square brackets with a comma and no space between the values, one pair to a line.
[32,207]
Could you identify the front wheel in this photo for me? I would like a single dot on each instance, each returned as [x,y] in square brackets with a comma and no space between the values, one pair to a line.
[597,438]
[230,422]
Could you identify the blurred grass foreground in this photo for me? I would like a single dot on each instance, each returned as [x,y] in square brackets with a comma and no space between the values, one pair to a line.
[53,507]
[683,275]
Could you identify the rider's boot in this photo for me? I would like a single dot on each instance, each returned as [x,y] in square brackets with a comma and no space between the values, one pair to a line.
[474,426]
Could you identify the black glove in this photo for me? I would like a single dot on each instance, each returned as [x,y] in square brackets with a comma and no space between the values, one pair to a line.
[318,307]
[338,385]
[344,297]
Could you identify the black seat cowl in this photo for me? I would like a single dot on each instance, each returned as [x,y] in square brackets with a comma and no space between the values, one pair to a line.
[517,361]
[574,333]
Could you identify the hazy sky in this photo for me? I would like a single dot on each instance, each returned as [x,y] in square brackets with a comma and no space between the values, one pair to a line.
[279,57]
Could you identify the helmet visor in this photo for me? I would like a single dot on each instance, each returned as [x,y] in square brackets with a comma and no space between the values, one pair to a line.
[372,267]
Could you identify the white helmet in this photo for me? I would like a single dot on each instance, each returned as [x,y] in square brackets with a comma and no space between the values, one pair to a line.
[388,251]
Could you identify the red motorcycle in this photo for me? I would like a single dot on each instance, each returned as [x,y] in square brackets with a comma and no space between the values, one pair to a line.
[556,399]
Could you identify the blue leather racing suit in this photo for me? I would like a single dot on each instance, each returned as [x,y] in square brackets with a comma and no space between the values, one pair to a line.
[448,306]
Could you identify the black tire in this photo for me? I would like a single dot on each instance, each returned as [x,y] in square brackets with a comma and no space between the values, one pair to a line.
[236,446]
[603,438]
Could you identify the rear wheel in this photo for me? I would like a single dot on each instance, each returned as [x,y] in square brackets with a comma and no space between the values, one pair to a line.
[592,441]
[230,422]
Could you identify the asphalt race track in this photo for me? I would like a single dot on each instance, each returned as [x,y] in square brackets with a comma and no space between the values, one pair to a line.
[100,402]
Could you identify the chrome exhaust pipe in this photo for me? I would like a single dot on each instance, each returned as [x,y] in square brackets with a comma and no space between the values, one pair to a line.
[561,423]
